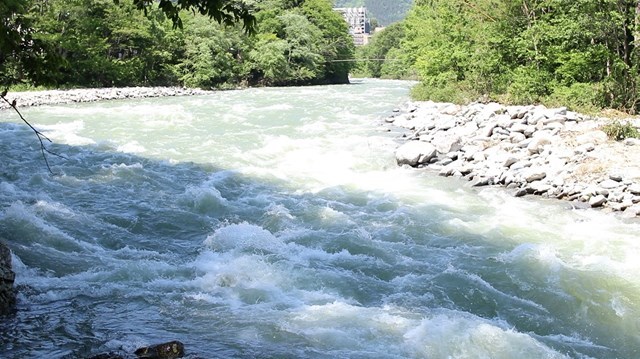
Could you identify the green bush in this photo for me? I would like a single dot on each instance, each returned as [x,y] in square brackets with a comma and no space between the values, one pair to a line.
[452,92]
[580,97]
[618,130]
[529,85]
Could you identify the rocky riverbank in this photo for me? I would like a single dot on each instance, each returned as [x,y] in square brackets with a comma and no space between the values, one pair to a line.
[53,97]
[531,150]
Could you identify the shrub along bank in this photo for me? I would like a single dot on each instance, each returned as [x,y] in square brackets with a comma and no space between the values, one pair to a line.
[579,54]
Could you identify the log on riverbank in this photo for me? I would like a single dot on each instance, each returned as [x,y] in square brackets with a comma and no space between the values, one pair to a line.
[535,150]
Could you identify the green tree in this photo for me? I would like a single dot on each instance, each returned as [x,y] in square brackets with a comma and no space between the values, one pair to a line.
[299,42]
[25,53]
[374,54]
[99,43]
[526,51]
[212,54]
[335,44]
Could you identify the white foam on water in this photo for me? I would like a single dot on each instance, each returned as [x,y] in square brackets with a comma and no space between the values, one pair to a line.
[244,237]
[132,147]
[458,335]
[67,133]
[245,265]
[204,198]
[332,216]
[390,330]
[341,325]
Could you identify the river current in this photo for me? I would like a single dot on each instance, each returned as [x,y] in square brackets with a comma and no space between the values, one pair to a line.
[274,223]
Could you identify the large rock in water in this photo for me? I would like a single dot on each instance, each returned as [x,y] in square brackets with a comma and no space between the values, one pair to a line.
[7,276]
[170,350]
[415,153]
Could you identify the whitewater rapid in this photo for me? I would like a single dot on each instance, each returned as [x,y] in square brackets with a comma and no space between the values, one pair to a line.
[271,223]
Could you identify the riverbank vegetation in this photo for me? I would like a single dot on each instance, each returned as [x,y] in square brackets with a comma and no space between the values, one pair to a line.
[580,54]
[104,43]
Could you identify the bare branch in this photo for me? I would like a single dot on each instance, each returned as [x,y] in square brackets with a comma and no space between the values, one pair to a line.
[43,149]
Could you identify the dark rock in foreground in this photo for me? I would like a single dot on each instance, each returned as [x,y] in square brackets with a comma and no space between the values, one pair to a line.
[7,276]
[107,356]
[170,350]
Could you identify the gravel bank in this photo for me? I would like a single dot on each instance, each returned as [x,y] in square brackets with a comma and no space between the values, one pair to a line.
[531,150]
[54,97]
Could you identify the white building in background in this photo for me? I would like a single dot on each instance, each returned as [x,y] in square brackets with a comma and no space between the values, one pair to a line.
[359,26]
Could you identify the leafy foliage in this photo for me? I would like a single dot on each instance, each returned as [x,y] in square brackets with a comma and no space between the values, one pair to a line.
[580,52]
[617,130]
[101,43]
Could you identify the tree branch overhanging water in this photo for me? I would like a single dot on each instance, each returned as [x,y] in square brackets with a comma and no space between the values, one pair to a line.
[43,149]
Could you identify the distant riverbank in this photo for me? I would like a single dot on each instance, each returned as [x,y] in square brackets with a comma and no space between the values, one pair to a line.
[55,97]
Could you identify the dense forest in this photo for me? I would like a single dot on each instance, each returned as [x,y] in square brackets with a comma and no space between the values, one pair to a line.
[93,43]
[386,12]
[580,53]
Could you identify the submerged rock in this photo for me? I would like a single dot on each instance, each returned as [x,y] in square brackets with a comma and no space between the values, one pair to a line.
[107,356]
[170,350]
[7,277]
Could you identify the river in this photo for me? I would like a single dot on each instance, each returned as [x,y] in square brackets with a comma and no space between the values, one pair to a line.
[274,223]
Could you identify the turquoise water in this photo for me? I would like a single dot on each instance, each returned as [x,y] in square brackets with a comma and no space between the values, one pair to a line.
[274,223]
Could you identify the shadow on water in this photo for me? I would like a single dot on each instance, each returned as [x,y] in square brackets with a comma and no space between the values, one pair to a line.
[113,234]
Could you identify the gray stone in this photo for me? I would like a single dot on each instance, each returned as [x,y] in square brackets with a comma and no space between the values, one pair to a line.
[449,169]
[518,127]
[619,206]
[534,174]
[537,144]
[445,161]
[445,122]
[479,156]
[632,211]
[521,192]
[509,161]
[540,187]
[530,131]
[597,201]
[632,142]
[517,137]
[414,153]
[446,142]
[634,188]
[610,184]
[487,129]
[479,181]
[450,109]
[535,117]
[584,148]
[615,177]
[593,137]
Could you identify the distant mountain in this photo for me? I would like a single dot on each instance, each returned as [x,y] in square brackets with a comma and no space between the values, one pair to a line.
[385,11]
